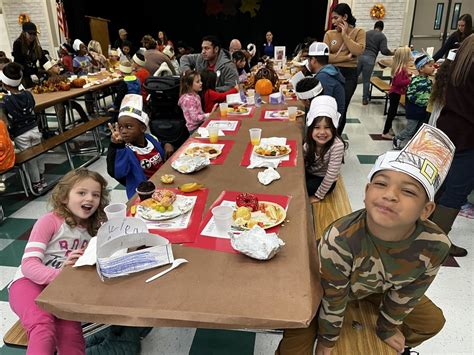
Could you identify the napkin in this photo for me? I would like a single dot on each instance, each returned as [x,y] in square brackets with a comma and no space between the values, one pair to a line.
[259,162]
[257,244]
[90,256]
[205,133]
[267,176]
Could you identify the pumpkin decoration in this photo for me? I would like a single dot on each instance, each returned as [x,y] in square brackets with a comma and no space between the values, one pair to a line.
[264,87]
[78,83]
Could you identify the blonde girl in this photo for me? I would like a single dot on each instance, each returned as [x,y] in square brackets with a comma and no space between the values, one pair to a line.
[400,81]
[190,101]
[56,241]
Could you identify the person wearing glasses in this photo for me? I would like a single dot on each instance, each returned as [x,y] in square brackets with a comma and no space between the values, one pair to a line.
[27,51]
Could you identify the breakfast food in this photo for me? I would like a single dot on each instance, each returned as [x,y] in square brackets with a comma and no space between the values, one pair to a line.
[247,200]
[164,198]
[167,179]
[267,215]
[208,151]
[238,109]
[272,150]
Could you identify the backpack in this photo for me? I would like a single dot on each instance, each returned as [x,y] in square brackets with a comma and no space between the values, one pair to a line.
[20,110]
[7,152]
[167,121]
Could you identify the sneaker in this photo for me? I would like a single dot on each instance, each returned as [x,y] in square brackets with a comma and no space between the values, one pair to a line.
[454,250]
[43,182]
[396,143]
[365,102]
[37,187]
[387,136]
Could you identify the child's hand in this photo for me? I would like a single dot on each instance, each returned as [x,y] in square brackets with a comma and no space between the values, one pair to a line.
[214,108]
[397,341]
[322,350]
[313,199]
[116,136]
[73,256]
[237,87]
[169,150]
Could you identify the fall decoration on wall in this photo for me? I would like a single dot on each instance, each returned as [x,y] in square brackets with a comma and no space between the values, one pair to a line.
[377,12]
[23,18]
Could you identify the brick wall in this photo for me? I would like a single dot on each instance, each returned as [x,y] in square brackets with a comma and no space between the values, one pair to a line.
[37,11]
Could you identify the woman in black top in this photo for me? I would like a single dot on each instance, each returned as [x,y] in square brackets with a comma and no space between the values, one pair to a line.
[454,41]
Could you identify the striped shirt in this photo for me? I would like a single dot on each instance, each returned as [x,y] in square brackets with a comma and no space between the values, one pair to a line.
[329,167]
[354,264]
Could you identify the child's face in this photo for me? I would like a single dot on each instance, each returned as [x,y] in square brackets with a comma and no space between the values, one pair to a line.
[241,63]
[82,49]
[125,50]
[84,199]
[131,129]
[55,70]
[197,83]
[322,132]
[427,69]
[395,200]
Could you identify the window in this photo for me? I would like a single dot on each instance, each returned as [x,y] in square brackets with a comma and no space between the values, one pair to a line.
[455,18]
[438,16]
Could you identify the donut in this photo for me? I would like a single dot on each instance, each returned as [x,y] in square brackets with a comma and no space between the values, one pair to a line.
[247,200]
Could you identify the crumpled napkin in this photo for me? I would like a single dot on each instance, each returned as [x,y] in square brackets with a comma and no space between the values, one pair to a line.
[204,133]
[90,256]
[257,244]
[259,162]
[267,176]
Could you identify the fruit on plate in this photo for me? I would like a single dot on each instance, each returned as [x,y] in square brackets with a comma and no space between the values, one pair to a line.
[264,87]
[191,187]
[164,197]
[247,200]
[167,179]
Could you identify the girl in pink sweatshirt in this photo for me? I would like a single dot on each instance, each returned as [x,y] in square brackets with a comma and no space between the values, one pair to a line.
[56,241]
[190,102]
[400,81]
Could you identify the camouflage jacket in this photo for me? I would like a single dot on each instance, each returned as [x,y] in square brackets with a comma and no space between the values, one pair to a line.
[355,264]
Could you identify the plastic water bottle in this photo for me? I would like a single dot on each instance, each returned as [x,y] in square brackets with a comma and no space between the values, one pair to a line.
[258,100]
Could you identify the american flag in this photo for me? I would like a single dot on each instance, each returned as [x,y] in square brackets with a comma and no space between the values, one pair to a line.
[62,23]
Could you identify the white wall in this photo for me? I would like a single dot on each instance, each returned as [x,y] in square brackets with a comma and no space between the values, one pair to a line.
[5,44]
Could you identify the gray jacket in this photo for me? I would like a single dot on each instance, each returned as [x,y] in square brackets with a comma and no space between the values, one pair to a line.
[375,42]
[227,75]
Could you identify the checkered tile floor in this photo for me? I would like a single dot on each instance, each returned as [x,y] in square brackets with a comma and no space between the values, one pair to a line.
[452,290]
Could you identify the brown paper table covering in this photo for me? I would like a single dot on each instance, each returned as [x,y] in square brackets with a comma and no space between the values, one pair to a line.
[215,289]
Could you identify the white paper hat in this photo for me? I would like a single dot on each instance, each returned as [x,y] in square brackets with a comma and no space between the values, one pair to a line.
[169,51]
[125,67]
[323,105]
[306,95]
[452,54]
[49,64]
[426,158]
[132,105]
[318,49]
[77,44]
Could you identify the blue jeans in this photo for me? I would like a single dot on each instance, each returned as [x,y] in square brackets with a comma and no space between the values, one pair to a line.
[460,181]
[365,65]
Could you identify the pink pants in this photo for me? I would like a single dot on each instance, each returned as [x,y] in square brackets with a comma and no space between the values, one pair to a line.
[46,333]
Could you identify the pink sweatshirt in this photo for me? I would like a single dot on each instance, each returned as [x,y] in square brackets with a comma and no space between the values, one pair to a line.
[190,103]
[51,240]
[400,82]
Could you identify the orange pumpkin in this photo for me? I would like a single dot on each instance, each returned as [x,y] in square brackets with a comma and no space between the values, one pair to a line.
[264,87]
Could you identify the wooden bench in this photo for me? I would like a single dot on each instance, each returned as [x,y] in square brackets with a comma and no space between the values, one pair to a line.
[362,339]
[28,154]
[382,86]
[16,335]
[334,206]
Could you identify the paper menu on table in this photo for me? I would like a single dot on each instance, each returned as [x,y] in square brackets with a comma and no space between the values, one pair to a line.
[178,222]
[223,125]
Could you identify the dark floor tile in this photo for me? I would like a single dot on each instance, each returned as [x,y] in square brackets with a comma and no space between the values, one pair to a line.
[213,342]
[367,159]
[14,228]
[11,255]
[11,204]
[352,120]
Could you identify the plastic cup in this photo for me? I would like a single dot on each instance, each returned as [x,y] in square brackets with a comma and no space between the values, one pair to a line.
[223,107]
[116,210]
[283,89]
[222,218]
[250,92]
[213,134]
[255,135]
[292,113]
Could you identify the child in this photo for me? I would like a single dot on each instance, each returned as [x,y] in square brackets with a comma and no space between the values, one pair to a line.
[240,61]
[418,94]
[134,156]
[66,57]
[307,89]
[82,62]
[129,85]
[126,51]
[400,81]
[113,61]
[323,148]
[138,65]
[95,51]
[190,102]
[438,95]
[387,254]
[56,241]
[18,110]
[169,51]
[210,97]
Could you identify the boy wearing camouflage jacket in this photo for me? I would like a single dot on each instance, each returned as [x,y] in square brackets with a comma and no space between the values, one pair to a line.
[388,253]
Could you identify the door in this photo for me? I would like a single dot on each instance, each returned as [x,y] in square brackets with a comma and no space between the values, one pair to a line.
[435,20]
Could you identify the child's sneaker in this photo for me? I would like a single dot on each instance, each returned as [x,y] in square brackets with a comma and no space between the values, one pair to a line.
[37,187]
[43,182]
[396,143]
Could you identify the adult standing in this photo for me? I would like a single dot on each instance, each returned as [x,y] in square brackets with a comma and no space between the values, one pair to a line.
[457,121]
[375,42]
[454,41]
[268,47]
[163,41]
[214,58]
[122,37]
[27,51]
[346,42]
[235,46]
[153,57]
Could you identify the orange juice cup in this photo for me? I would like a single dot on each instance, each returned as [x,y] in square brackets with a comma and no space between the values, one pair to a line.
[213,134]
[255,134]
[224,108]
[292,113]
